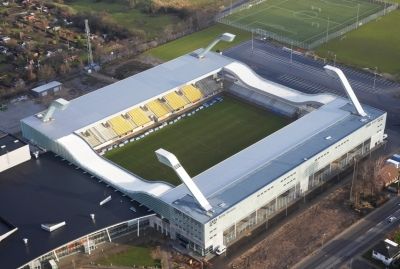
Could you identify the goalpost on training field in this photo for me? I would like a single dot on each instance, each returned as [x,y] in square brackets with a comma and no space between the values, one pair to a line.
[313,8]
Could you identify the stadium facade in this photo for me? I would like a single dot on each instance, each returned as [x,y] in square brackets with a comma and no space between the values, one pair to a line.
[241,192]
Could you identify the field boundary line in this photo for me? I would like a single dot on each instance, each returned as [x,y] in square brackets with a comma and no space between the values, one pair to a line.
[261,10]
[269,25]
[321,18]
[353,26]
[329,2]
[345,22]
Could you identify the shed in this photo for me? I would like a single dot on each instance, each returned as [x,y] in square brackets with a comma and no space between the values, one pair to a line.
[45,89]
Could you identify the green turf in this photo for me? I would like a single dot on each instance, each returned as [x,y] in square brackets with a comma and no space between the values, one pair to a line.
[373,45]
[197,40]
[134,256]
[303,20]
[200,141]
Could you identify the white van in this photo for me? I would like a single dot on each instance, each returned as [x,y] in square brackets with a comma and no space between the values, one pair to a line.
[220,250]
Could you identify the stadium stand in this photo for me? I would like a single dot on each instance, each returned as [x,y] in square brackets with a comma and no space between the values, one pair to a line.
[175,100]
[192,93]
[90,138]
[120,125]
[262,99]
[159,109]
[138,116]
[208,86]
[106,132]
[96,133]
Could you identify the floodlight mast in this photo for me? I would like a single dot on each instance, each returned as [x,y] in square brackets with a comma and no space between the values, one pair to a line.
[60,104]
[337,73]
[170,160]
[227,37]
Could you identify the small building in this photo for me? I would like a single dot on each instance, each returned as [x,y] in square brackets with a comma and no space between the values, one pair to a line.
[51,87]
[386,251]
[389,174]
[12,151]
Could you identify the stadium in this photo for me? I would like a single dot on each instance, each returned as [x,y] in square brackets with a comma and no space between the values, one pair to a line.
[199,106]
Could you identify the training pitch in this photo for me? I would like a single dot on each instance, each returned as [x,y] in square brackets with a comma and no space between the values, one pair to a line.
[303,21]
[199,141]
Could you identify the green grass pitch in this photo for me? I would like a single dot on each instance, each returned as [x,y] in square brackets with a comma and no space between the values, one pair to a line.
[373,45]
[201,39]
[199,141]
[134,256]
[304,20]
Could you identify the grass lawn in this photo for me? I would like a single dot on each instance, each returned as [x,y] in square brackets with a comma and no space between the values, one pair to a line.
[375,44]
[121,14]
[200,141]
[197,40]
[304,20]
[138,256]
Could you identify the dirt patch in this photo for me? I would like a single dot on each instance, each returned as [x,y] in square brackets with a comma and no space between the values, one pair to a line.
[302,235]
[125,68]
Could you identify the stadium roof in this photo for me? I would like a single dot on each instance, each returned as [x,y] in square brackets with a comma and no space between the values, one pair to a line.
[124,94]
[244,173]
[48,190]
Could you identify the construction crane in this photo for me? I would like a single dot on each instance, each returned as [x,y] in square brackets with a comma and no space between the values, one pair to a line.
[89,46]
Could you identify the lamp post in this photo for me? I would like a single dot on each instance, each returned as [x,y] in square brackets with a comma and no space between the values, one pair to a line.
[291,52]
[327,30]
[323,237]
[252,41]
[375,73]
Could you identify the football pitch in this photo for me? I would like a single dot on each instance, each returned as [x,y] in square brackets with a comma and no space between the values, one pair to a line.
[199,141]
[303,21]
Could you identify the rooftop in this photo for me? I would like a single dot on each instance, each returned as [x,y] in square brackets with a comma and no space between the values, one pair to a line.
[48,190]
[9,143]
[387,248]
[46,87]
[123,95]
[227,183]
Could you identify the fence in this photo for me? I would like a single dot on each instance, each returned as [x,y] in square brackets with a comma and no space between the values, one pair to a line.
[238,8]
[307,44]
[355,25]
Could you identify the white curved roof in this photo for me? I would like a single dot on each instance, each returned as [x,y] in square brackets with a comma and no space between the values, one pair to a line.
[121,179]
[249,77]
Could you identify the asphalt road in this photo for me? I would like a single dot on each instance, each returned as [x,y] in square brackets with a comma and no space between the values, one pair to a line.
[356,239]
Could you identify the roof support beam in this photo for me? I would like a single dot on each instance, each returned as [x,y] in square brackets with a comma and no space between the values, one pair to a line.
[170,160]
[337,73]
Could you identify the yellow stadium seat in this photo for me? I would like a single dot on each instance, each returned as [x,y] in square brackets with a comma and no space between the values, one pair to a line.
[175,101]
[192,93]
[157,108]
[138,116]
[120,125]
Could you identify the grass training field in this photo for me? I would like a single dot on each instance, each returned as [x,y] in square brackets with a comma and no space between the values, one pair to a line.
[198,40]
[199,141]
[303,20]
[134,256]
[373,45]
